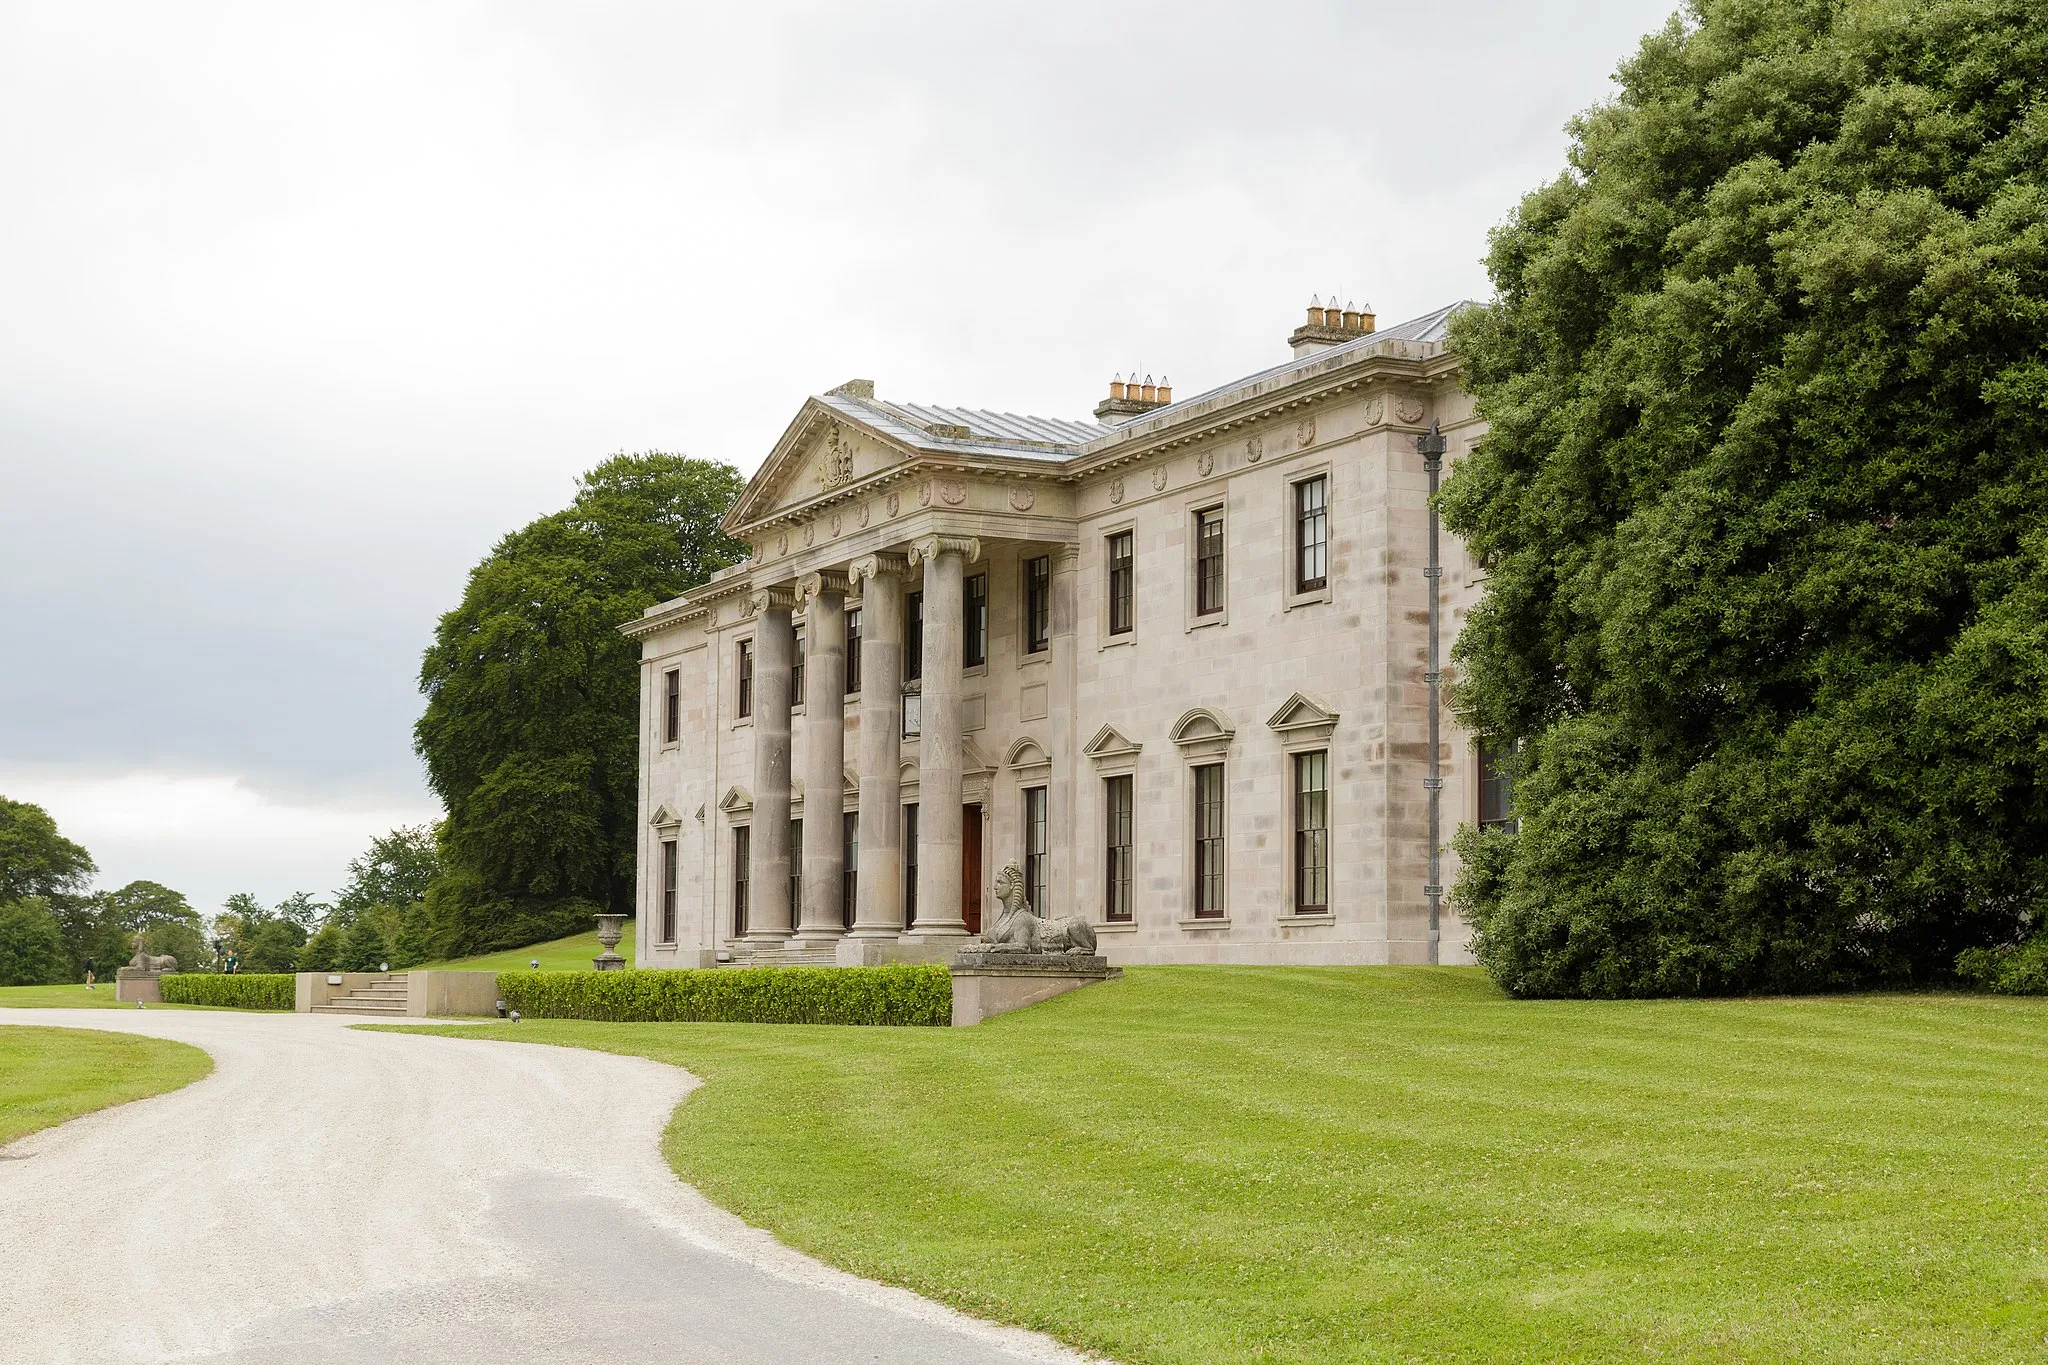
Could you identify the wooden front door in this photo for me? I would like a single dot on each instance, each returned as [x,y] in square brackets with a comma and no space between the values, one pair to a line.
[970,867]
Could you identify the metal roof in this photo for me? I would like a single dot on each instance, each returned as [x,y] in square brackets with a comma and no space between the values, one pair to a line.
[1011,433]
[1430,327]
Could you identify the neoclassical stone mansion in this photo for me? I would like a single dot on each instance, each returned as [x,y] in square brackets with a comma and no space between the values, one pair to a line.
[1172,662]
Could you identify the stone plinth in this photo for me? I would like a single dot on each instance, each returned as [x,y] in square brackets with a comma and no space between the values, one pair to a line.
[135,984]
[986,984]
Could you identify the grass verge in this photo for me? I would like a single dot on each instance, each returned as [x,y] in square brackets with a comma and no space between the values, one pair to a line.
[571,954]
[1352,1164]
[48,1075]
[70,996]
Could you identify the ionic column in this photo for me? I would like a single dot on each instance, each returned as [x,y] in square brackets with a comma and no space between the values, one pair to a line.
[823,599]
[938,768]
[878,899]
[768,863]
[1059,795]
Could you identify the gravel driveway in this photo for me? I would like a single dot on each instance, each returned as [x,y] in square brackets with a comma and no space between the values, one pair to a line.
[334,1195]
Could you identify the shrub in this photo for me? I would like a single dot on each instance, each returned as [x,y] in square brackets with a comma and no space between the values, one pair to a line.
[322,951]
[755,995]
[363,948]
[2020,970]
[256,991]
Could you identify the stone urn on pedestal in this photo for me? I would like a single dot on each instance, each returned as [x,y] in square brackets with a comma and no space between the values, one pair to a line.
[609,931]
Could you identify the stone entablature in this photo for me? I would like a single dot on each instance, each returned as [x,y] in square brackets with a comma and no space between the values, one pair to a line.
[864,502]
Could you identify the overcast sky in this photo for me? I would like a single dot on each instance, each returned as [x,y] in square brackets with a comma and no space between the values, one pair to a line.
[303,305]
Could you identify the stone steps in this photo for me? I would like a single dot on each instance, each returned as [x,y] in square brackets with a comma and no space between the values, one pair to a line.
[384,996]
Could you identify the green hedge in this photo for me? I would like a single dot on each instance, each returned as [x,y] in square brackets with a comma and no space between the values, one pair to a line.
[2008,971]
[256,991]
[755,995]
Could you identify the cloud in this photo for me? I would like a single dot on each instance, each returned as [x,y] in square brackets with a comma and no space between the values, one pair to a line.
[208,835]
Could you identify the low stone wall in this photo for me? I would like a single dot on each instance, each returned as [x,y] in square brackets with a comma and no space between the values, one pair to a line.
[986,984]
[430,993]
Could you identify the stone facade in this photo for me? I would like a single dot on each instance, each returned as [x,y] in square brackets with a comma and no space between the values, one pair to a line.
[864,503]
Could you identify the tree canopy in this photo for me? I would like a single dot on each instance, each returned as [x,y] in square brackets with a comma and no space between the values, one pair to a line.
[1764,509]
[529,734]
[35,860]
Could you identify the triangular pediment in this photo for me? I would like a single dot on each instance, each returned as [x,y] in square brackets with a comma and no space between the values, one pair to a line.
[1302,712]
[736,800]
[665,814]
[1109,742]
[821,452]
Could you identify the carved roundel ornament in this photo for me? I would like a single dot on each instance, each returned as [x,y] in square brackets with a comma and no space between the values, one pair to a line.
[861,514]
[1159,480]
[895,502]
[836,524]
[1305,432]
[952,492]
[782,543]
[1254,448]
[1205,463]
[1023,497]
[810,533]
[1409,408]
[1116,490]
[924,494]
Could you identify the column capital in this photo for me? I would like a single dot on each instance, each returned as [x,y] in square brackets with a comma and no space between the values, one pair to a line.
[874,566]
[931,547]
[776,598]
[1065,557]
[820,584]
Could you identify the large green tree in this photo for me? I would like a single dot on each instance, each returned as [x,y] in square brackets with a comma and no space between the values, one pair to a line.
[35,860]
[529,732]
[1764,508]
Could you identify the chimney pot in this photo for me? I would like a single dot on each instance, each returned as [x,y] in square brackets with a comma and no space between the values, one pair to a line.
[1315,310]
[1366,321]
[1350,319]
[1116,387]
[1150,393]
[1165,390]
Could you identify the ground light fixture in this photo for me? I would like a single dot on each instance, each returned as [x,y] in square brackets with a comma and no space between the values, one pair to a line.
[534,963]
[501,1009]
[1430,444]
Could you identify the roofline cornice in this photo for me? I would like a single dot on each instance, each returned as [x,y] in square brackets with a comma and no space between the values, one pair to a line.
[1430,368]
[680,611]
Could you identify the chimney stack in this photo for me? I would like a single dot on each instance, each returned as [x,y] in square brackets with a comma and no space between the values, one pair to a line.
[1330,325]
[1128,398]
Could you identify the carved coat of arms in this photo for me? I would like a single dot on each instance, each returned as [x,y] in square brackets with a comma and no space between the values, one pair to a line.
[836,466]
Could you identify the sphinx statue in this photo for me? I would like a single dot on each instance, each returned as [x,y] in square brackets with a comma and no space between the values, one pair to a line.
[145,961]
[1018,930]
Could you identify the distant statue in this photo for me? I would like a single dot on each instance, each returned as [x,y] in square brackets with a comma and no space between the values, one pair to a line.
[1018,930]
[143,961]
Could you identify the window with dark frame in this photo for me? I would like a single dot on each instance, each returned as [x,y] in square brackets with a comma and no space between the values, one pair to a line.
[1496,788]
[668,891]
[1312,533]
[1208,834]
[796,672]
[913,636]
[1038,604]
[742,855]
[746,678]
[910,864]
[1312,833]
[849,850]
[796,872]
[974,623]
[1121,583]
[672,706]
[1035,850]
[1209,561]
[852,650]
[1116,792]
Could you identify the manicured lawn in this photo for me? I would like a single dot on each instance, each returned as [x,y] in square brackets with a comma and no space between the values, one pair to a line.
[1319,1165]
[48,1075]
[562,955]
[72,996]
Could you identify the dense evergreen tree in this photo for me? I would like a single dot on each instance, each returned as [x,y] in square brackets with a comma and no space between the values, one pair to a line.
[529,732]
[1764,506]
[31,944]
